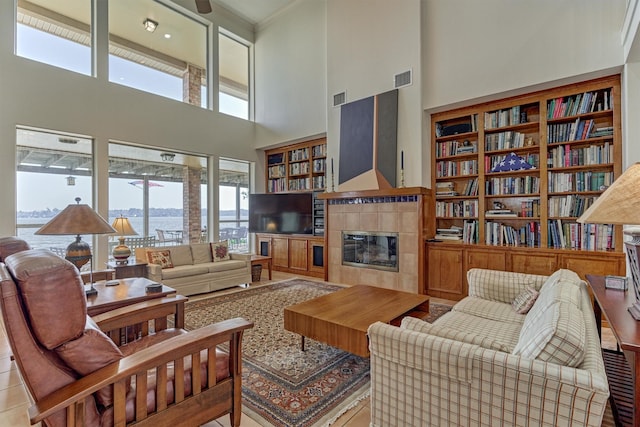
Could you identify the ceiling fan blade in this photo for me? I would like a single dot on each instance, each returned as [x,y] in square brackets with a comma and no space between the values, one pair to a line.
[203,6]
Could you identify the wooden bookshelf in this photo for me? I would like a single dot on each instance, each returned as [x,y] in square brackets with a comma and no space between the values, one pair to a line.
[515,174]
[298,167]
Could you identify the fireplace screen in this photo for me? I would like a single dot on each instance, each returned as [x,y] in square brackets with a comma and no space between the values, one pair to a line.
[370,249]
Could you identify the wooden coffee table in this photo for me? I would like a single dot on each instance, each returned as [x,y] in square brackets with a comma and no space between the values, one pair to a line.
[341,318]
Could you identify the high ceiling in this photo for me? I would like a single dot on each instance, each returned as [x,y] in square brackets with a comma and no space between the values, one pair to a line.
[254,11]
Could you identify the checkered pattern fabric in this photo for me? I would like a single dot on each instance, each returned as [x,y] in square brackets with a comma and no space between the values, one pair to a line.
[486,309]
[418,379]
[501,286]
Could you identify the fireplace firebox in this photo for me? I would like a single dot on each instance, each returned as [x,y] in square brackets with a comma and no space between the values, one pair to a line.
[377,250]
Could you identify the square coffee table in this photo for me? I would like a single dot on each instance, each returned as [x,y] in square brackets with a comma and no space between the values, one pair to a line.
[341,318]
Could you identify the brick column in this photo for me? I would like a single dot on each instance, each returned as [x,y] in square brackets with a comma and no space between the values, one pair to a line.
[191,83]
[191,226]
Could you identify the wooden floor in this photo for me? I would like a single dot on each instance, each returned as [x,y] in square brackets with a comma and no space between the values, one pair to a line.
[14,399]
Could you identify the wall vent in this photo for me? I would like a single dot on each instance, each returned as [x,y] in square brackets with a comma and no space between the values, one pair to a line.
[402,79]
[339,99]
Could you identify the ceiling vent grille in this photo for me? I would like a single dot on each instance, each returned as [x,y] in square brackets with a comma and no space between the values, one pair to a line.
[402,79]
[339,99]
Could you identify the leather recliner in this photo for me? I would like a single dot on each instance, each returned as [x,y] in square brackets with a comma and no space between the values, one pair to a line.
[78,376]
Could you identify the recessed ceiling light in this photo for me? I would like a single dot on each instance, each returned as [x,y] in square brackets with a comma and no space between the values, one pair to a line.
[167,36]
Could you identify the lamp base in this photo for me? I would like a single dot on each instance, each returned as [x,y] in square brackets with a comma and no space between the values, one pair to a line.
[91,291]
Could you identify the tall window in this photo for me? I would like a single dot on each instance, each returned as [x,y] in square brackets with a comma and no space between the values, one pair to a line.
[157,49]
[234,76]
[52,170]
[163,193]
[233,190]
[56,33]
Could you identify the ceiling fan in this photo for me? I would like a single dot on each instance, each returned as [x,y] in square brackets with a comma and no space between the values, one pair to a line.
[203,6]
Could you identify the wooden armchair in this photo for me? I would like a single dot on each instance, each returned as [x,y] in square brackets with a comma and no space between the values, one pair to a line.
[78,376]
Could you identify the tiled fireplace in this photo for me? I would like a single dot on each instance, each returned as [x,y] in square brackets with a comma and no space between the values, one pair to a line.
[395,258]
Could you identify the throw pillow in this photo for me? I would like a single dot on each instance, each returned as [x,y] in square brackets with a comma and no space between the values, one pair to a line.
[161,258]
[524,301]
[220,250]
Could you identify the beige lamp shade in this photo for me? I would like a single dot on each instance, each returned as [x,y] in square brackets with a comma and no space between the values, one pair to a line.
[620,203]
[121,253]
[77,219]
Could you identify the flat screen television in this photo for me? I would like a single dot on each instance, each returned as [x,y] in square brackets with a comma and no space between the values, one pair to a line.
[286,213]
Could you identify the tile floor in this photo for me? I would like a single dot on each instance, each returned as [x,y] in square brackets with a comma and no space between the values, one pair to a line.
[14,400]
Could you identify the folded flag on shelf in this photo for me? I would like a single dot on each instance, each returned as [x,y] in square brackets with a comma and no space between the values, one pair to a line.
[512,162]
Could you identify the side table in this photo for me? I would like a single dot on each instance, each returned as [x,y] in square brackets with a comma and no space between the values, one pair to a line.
[133,268]
[613,303]
[126,292]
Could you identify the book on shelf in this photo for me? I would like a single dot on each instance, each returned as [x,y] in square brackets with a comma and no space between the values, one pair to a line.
[447,193]
[501,215]
[448,236]
[445,186]
[452,233]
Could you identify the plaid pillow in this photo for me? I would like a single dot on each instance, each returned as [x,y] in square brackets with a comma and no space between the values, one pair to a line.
[524,301]
[161,258]
[220,250]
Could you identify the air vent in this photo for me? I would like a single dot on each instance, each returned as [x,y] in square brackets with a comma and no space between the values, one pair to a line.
[402,79]
[339,99]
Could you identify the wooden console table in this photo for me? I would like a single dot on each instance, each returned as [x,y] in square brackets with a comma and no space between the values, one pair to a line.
[613,304]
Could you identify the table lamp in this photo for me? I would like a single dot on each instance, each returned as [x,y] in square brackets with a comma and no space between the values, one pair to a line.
[620,205]
[77,219]
[121,253]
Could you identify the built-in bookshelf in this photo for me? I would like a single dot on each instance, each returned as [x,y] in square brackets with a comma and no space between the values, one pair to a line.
[518,172]
[298,167]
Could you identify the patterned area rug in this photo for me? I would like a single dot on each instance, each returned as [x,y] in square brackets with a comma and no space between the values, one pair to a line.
[282,385]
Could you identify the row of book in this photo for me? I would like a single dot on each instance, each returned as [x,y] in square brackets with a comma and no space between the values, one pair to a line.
[560,182]
[588,237]
[277,171]
[319,165]
[457,209]
[299,168]
[299,184]
[575,131]
[470,232]
[319,182]
[504,140]
[319,150]
[512,185]
[566,155]
[498,234]
[277,185]
[453,148]
[299,155]
[506,117]
[491,161]
[582,103]
[456,168]
[471,124]
[530,208]
[571,205]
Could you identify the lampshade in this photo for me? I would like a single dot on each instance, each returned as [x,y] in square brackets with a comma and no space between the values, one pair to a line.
[77,219]
[123,227]
[620,204]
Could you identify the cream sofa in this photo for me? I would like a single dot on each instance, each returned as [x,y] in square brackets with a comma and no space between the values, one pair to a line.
[194,271]
[483,364]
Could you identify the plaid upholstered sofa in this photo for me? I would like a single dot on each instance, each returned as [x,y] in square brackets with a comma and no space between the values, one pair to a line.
[484,364]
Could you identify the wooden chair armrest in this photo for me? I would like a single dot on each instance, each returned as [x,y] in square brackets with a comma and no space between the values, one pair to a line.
[71,397]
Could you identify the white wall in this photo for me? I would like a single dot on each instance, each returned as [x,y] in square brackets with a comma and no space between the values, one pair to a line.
[290,87]
[42,96]
[368,42]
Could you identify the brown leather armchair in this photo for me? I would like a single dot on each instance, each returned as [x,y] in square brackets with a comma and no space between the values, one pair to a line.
[78,376]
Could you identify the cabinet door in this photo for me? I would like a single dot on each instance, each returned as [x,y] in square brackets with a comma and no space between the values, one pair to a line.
[445,273]
[316,256]
[533,263]
[298,254]
[598,264]
[280,252]
[485,258]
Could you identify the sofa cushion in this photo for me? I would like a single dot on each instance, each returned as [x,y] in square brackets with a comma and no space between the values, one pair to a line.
[444,332]
[181,255]
[486,309]
[89,352]
[220,250]
[161,258]
[524,301]
[558,335]
[184,271]
[201,252]
[505,333]
[226,265]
